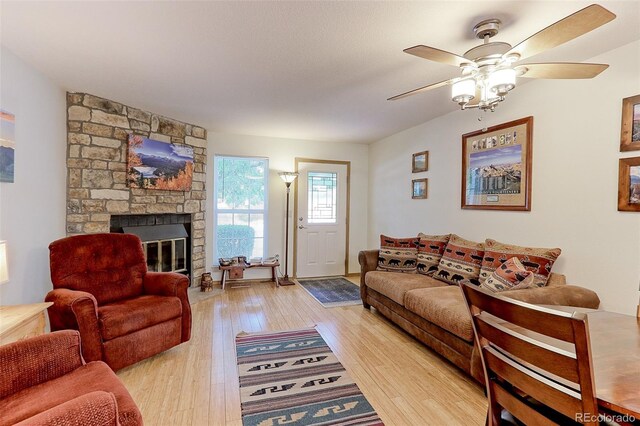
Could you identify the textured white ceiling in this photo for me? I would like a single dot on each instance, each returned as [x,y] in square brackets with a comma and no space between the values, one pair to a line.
[309,70]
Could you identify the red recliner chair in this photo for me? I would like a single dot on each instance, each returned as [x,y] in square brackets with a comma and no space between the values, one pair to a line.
[45,381]
[102,289]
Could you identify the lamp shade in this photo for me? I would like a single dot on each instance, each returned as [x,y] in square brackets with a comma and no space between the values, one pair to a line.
[463,90]
[4,269]
[502,81]
[288,177]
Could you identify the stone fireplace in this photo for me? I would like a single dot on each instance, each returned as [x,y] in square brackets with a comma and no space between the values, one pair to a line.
[99,200]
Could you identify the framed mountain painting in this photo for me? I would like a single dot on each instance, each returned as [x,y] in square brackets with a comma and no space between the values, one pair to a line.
[154,164]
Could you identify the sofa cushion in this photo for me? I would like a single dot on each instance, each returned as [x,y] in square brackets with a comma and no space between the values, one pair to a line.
[430,251]
[442,306]
[461,261]
[537,260]
[511,275]
[556,280]
[124,317]
[398,254]
[394,285]
[94,376]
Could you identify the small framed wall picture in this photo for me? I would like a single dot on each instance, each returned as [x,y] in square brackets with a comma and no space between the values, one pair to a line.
[420,162]
[419,188]
[629,185]
[630,128]
[7,146]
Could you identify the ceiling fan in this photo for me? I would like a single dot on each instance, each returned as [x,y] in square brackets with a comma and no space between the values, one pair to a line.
[489,71]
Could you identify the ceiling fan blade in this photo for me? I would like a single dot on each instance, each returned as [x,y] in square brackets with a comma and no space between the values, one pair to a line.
[423,89]
[566,29]
[437,55]
[561,70]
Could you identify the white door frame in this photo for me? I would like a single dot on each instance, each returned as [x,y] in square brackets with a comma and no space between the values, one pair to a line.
[299,160]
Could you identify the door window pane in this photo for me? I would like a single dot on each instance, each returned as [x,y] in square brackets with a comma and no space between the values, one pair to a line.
[322,197]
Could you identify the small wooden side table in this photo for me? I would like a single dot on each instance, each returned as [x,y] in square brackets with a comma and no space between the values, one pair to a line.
[236,271]
[19,322]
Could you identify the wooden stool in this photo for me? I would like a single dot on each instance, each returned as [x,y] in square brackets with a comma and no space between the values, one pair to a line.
[235,272]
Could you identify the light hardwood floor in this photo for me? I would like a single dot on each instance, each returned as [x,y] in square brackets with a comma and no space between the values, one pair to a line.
[196,383]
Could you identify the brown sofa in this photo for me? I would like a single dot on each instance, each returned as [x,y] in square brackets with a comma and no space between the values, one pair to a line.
[435,313]
[45,381]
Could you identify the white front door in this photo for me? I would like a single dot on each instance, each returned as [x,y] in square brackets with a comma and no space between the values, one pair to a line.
[321,224]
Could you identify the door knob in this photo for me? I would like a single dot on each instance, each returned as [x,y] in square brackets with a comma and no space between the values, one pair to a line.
[301,218]
[301,227]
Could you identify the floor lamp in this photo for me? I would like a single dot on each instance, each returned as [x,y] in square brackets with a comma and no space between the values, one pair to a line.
[288,178]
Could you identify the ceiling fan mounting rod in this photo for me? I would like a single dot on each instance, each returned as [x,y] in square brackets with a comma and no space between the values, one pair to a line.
[487,28]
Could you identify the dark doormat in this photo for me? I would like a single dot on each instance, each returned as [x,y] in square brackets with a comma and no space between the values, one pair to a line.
[332,291]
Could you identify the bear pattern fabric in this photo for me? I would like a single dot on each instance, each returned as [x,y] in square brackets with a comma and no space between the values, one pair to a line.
[537,260]
[430,251]
[511,275]
[461,261]
[398,254]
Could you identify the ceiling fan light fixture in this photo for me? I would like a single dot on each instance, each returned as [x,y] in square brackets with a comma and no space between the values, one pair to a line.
[463,91]
[512,57]
[502,81]
[488,71]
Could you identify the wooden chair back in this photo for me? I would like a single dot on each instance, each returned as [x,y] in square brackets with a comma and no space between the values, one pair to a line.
[534,359]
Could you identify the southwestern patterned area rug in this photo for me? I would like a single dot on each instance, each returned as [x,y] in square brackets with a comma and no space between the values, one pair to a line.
[293,378]
[332,291]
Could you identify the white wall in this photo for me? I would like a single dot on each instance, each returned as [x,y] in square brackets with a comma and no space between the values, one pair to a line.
[32,210]
[576,140]
[282,154]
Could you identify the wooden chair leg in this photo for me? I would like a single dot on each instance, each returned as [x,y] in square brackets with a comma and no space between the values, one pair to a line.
[493,414]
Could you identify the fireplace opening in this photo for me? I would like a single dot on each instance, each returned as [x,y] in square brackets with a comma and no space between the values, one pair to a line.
[164,246]
[166,241]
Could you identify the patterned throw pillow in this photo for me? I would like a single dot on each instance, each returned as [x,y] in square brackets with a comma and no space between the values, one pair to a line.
[430,251]
[461,261]
[398,254]
[511,275]
[537,260]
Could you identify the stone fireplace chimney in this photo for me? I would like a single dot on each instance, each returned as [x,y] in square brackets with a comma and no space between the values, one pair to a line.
[98,131]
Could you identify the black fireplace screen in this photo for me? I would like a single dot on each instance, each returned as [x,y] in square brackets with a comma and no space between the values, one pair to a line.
[164,246]
[166,255]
